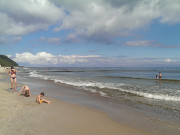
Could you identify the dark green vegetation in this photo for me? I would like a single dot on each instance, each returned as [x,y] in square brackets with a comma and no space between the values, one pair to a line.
[7,62]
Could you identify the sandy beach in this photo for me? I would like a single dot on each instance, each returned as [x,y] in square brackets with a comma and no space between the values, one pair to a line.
[72,112]
[22,116]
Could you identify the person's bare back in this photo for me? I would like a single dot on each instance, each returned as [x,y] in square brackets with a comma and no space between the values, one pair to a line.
[25,91]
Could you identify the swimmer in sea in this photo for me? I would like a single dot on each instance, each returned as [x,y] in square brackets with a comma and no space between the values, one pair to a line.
[160,75]
[40,101]
[25,91]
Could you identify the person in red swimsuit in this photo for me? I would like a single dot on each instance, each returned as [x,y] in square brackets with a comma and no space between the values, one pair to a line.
[12,74]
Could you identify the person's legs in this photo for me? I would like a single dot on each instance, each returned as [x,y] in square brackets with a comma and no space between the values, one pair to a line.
[15,83]
[11,83]
[44,100]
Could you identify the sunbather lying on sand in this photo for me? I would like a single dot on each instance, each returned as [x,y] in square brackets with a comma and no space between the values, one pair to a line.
[40,101]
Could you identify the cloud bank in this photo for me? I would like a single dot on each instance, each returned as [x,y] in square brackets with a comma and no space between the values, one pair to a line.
[20,17]
[104,20]
[87,20]
[47,59]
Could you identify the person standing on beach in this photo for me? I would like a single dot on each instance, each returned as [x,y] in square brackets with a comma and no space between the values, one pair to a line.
[40,101]
[12,74]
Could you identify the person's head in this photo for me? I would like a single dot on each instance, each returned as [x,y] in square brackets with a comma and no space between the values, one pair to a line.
[42,94]
[12,68]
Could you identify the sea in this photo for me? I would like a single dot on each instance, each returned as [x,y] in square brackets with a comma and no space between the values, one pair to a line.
[136,85]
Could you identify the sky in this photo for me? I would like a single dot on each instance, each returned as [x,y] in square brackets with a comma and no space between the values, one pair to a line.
[91,33]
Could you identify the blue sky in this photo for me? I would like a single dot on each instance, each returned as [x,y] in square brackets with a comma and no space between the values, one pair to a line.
[91,32]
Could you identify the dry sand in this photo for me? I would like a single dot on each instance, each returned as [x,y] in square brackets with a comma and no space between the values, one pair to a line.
[22,116]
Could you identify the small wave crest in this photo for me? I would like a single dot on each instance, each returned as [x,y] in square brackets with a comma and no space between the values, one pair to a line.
[100,85]
[160,96]
[94,86]
[154,96]
[111,86]
[34,74]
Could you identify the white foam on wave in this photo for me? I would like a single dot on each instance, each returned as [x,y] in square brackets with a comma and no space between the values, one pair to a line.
[178,91]
[103,85]
[87,84]
[100,85]
[34,74]
[159,96]
[78,83]
[72,83]
[102,94]
[117,87]
[153,96]
[143,94]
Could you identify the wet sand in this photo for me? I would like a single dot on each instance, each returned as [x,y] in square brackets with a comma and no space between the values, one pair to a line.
[22,116]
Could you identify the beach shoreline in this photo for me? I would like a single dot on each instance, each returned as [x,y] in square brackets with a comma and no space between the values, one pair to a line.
[65,116]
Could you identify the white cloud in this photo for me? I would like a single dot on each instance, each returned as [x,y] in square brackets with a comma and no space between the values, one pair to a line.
[72,59]
[41,58]
[100,20]
[168,60]
[44,58]
[19,17]
[55,40]
[9,40]
[169,11]
[92,20]
[9,56]
[142,43]
[47,59]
